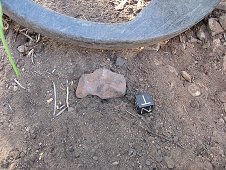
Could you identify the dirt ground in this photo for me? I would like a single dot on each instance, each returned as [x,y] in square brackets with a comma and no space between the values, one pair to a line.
[96,10]
[185,132]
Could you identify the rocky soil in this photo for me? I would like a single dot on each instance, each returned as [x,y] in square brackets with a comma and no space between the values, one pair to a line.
[186,76]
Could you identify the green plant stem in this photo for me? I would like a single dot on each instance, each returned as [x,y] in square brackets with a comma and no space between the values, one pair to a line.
[2,36]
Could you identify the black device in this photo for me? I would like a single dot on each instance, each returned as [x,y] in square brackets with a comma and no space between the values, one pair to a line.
[144,103]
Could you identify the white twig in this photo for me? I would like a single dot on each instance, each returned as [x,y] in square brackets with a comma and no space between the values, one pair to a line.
[10,108]
[60,112]
[31,54]
[18,83]
[55,99]
[67,98]
[27,36]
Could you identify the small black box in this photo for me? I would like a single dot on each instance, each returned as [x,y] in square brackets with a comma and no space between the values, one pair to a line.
[144,103]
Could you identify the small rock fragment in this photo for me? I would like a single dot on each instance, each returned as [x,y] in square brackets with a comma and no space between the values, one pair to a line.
[71,109]
[132,152]
[202,33]
[222,21]
[140,5]
[148,163]
[172,69]
[169,162]
[115,163]
[222,97]
[194,90]
[221,6]
[49,100]
[217,47]
[224,63]
[214,26]
[22,49]
[120,61]
[186,76]
[102,83]
[15,88]
[121,5]
[95,158]
[155,47]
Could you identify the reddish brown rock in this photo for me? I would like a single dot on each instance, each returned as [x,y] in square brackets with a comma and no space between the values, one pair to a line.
[102,83]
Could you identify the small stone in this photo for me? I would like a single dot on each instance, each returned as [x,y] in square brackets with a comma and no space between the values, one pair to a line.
[172,69]
[22,49]
[202,33]
[214,26]
[186,76]
[132,152]
[224,63]
[222,97]
[175,139]
[120,61]
[169,162]
[224,105]
[102,83]
[71,109]
[95,158]
[222,21]
[194,90]
[221,121]
[148,162]
[217,47]
[115,163]
[221,6]
[15,88]
[155,47]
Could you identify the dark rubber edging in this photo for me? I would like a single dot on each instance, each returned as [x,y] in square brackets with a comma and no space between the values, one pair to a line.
[160,20]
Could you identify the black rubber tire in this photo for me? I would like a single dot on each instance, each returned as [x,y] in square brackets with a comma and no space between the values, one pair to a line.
[160,20]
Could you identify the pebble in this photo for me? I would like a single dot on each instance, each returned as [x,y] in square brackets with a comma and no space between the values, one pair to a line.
[186,76]
[194,90]
[155,47]
[222,21]
[169,162]
[214,26]
[132,152]
[224,63]
[22,49]
[71,109]
[202,33]
[221,6]
[49,100]
[221,121]
[148,162]
[224,105]
[95,158]
[115,163]
[15,88]
[102,83]
[222,97]
[120,61]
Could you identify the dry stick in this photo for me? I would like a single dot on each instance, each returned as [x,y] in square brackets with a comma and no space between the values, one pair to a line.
[18,83]
[67,97]
[55,100]
[27,36]
[154,134]
[60,112]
